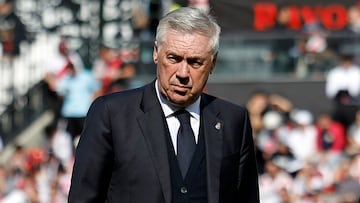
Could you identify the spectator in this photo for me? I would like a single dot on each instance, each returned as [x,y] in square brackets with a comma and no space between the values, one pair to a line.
[355,166]
[284,158]
[343,87]
[347,186]
[77,90]
[267,137]
[257,105]
[343,81]
[57,67]
[283,62]
[18,158]
[60,187]
[308,184]
[312,53]
[12,30]
[353,136]
[111,69]
[302,138]
[353,29]
[271,142]
[354,19]
[272,182]
[331,135]
[260,102]
[59,143]
[266,140]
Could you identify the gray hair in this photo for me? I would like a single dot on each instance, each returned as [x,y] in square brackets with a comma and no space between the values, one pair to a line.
[190,20]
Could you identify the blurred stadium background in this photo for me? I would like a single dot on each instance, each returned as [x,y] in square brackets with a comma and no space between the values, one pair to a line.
[260,49]
[282,47]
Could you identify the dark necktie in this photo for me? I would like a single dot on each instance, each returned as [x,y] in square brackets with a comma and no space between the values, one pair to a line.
[185,141]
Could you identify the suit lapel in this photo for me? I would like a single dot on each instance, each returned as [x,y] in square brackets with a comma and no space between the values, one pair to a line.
[154,129]
[213,147]
[153,126]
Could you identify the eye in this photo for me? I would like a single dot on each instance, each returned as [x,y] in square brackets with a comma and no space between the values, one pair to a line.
[173,58]
[195,63]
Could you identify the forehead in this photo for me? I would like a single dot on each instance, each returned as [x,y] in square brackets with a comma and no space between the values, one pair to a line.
[192,43]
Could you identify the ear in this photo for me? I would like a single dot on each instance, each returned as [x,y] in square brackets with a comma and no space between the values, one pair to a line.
[213,63]
[155,52]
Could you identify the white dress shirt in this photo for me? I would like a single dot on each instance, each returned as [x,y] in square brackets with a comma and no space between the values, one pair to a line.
[173,122]
[340,78]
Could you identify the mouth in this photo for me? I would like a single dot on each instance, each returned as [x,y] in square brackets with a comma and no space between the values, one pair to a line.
[181,89]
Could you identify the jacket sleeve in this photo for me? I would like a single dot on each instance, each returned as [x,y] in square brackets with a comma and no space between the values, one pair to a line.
[94,157]
[248,188]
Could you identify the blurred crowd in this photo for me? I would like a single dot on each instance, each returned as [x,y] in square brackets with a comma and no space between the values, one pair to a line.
[302,157]
[42,174]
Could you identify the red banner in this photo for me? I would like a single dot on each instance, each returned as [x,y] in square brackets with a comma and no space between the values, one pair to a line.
[261,16]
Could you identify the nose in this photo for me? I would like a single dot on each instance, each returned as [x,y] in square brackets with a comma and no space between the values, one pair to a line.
[183,70]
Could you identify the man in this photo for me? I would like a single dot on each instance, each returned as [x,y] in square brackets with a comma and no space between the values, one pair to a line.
[342,86]
[343,81]
[129,152]
[77,89]
[12,30]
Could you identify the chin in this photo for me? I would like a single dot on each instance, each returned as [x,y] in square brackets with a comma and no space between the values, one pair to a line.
[179,103]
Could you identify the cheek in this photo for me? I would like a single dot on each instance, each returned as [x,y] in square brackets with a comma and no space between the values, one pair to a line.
[165,74]
[199,79]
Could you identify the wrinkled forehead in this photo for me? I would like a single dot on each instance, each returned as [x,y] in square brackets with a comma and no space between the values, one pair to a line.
[194,40]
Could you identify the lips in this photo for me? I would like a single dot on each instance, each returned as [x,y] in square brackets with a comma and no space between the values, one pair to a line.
[181,89]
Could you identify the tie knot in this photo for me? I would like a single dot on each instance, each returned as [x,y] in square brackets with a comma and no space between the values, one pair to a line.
[183,116]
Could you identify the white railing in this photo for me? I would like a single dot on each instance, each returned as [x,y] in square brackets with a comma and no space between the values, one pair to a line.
[17,76]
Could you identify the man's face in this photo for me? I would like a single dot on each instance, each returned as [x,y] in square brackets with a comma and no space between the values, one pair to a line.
[184,63]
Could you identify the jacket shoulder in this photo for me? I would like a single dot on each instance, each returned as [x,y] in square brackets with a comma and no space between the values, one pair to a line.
[222,104]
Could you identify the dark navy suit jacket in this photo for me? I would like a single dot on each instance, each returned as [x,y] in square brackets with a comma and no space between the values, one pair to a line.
[122,154]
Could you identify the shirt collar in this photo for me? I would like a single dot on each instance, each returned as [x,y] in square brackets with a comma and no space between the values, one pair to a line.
[169,110]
